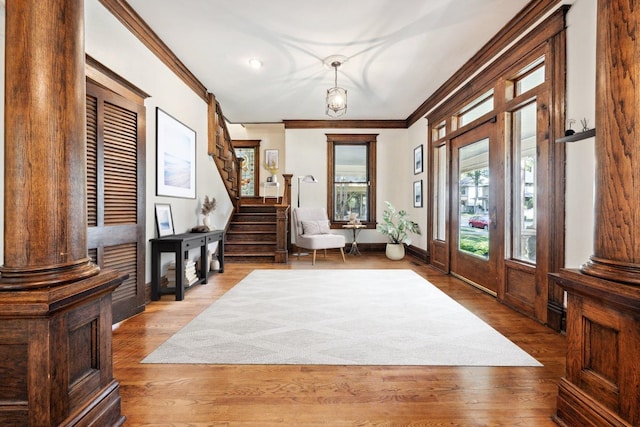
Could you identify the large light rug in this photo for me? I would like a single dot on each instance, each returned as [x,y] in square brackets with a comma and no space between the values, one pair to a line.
[338,317]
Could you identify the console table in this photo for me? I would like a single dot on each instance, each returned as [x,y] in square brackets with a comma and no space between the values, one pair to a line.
[180,244]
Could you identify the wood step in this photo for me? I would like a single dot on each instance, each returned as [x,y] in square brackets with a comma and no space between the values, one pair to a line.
[253,235]
[244,227]
[249,247]
[249,257]
[254,217]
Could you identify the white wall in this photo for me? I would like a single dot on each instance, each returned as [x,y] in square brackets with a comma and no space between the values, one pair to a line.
[580,166]
[306,154]
[417,135]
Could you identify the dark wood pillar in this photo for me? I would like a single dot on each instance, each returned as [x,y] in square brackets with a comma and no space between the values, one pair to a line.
[45,154]
[55,305]
[602,382]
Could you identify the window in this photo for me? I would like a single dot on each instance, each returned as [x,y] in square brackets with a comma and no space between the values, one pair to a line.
[249,150]
[440,193]
[475,109]
[351,177]
[523,198]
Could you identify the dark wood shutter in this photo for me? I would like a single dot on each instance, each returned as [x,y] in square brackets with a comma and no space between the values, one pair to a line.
[115,193]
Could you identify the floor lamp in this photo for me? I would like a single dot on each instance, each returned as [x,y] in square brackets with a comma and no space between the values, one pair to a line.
[304,178]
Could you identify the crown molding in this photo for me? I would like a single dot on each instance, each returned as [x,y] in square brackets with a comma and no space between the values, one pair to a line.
[345,124]
[134,23]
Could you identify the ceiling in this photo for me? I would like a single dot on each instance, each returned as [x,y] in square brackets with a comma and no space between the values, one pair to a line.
[397,52]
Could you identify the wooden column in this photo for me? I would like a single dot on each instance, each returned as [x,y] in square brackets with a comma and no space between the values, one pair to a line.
[45,154]
[602,382]
[55,305]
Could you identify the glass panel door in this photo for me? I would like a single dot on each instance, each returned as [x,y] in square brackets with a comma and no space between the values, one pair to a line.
[476,185]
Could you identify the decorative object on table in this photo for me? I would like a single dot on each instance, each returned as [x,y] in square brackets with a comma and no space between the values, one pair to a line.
[570,131]
[175,156]
[417,160]
[417,194]
[307,179]
[208,206]
[396,225]
[164,219]
[585,124]
[353,218]
[271,163]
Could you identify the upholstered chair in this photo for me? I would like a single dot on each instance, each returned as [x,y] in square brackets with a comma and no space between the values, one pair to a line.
[312,232]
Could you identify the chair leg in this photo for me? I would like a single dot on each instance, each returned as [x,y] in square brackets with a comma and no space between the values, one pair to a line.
[342,252]
[313,262]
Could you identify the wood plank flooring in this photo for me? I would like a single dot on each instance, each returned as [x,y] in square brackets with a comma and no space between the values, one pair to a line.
[228,395]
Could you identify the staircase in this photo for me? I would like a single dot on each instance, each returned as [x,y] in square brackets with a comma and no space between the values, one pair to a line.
[258,231]
[252,234]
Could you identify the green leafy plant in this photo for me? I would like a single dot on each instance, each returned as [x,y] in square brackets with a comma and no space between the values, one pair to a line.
[396,225]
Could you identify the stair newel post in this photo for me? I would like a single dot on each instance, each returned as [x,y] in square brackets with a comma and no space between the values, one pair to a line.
[238,167]
[286,200]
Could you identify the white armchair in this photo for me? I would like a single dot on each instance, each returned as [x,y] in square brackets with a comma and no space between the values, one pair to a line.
[311,228]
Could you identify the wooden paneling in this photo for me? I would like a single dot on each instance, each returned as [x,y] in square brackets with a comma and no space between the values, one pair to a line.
[520,288]
[116,192]
[602,379]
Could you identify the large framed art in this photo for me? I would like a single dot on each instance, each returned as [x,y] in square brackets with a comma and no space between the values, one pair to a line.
[176,157]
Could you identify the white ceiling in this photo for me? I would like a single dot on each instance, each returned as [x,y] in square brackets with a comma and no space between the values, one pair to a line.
[399,51]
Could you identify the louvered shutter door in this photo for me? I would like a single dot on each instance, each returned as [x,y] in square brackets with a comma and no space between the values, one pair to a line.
[114,212]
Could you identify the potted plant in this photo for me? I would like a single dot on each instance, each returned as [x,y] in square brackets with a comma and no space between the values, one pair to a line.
[396,225]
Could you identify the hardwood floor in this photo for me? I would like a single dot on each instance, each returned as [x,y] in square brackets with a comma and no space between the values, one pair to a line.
[233,395]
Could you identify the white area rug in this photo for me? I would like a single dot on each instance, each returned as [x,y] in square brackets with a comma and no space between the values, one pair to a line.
[338,317]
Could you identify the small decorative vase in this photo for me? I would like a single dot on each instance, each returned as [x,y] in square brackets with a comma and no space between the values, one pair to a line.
[274,178]
[395,251]
[206,221]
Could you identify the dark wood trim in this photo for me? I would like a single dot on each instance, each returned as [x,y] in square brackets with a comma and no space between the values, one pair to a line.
[138,27]
[105,77]
[419,253]
[345,124]
[520,23]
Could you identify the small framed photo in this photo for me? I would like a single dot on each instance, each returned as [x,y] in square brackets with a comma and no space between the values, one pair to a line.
[164,219]
[271,160]
[417,160]
[417,194]
[269,179]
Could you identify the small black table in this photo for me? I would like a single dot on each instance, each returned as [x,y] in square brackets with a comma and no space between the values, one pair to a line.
[180,244]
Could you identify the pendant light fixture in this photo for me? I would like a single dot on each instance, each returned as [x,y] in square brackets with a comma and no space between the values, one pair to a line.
[336,96]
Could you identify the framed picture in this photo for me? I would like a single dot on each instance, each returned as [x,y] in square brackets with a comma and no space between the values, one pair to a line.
[271,159]
[176,157]
[164,219]
[417,194]
[417,160]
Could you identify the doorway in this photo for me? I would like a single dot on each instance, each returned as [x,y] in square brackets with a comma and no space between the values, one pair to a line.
[476,186]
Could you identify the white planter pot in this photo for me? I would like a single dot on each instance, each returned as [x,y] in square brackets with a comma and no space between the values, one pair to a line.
[395,251]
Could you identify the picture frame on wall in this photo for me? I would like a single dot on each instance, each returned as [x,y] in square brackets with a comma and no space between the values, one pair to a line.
[417,160]
[271,161]
[176,157]
[417,194]
[164,220]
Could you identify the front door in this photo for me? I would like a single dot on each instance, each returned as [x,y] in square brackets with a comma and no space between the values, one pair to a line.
[476,187]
